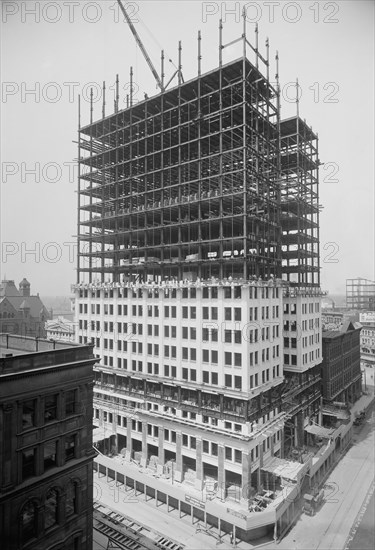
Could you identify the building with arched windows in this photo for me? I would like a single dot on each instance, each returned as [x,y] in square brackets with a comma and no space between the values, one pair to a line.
[46,448]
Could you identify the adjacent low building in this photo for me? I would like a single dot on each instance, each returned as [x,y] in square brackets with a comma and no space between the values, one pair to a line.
[46,452]
[20,311]
[60,329]
[341,372]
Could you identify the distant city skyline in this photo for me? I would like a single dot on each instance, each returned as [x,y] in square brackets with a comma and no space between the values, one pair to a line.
[40,106]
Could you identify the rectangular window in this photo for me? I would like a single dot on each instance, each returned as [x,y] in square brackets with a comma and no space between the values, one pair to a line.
[49,454]
[214,378]
[50,408]
[28,463]
[28,414]
[70,402]
[228,381]
[70,447]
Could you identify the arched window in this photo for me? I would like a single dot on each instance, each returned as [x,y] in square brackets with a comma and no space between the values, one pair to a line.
[71,498]
[29,522]
[50,514]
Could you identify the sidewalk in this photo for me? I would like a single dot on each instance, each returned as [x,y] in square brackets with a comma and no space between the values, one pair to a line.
[347,488]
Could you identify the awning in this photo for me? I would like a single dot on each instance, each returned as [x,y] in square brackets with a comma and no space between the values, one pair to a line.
[327,433]
[282,468]
[337,413]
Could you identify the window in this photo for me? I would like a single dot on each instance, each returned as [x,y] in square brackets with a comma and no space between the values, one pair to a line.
[185,312]
[29,522]
[50,509]
[228,336]
[71,499]
[70,446]
[205,376]
[28,463]
[237,456]
[49,454]
[237,359]
[214,378]
[214,356]
[227,314]
[50,408]
[227,358]
[28,414]
[70,402]
[205,356]
[237,314]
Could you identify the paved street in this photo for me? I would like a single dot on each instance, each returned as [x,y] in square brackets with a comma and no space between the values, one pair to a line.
[350,481]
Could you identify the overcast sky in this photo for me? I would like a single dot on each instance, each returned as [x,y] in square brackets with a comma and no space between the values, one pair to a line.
[52,51]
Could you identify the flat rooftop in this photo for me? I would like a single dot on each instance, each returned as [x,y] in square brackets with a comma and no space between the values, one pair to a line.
[21,353]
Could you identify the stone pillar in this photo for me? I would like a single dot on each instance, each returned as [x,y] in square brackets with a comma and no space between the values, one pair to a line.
[178,471]
[129,444]
[282,440]
[299,428]
[246,475]
[221,472]
[144,440]
[161,446]
[199,466]
[9,465]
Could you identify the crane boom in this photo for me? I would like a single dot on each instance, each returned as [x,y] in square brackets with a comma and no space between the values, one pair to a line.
[141,46]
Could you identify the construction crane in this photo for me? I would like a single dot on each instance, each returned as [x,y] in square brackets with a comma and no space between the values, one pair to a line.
[142,48]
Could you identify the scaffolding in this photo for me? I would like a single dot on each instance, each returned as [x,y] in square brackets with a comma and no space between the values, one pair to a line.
[299,203]
[360,294]
[185,184]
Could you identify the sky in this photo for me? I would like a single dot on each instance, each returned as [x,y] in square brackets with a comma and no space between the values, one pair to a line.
[51,52]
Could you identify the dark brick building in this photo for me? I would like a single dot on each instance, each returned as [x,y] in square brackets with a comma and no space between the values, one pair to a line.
[46,448]
[20,311]
[341,372]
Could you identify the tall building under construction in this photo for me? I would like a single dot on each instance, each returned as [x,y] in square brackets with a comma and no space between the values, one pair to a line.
[198,281]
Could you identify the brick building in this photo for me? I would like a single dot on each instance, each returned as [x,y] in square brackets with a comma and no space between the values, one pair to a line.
[46,451]
[341,372]
[20,311]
